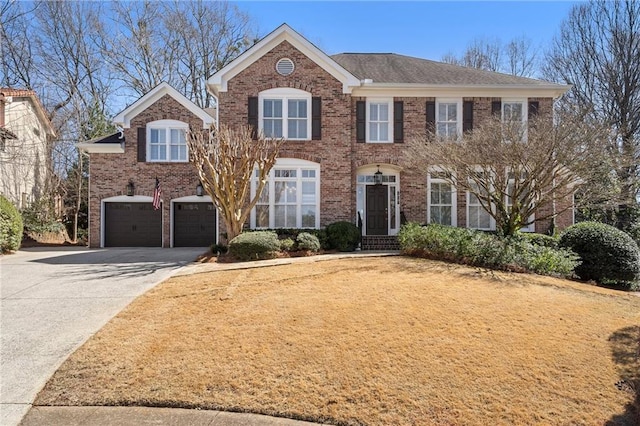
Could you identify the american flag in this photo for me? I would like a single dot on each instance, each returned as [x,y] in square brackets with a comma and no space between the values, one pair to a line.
[157,193]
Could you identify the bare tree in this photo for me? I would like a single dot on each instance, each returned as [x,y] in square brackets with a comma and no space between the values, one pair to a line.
[227,161]
[208,36]
[516,172]
[16,52]
[598,51]
[517,57]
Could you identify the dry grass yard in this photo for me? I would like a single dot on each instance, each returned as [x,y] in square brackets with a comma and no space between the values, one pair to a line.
[371,341]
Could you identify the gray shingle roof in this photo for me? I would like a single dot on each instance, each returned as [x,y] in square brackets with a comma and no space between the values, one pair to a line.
[400,69]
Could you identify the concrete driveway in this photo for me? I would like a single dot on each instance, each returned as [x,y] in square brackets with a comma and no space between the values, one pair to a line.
[54,299]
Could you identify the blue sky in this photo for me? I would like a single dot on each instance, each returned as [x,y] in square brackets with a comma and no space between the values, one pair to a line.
[426,29]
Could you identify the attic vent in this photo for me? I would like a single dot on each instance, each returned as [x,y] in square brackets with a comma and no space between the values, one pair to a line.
[285,66]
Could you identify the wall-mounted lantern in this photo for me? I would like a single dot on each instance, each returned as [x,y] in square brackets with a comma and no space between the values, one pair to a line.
[377,177]
[199,189]
[131,188]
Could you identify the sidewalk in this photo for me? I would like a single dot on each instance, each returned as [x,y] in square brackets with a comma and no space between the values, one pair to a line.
[140,416]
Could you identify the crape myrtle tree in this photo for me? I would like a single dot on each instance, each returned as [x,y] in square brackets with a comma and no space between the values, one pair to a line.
[519,172]
[227,161]
[597,51]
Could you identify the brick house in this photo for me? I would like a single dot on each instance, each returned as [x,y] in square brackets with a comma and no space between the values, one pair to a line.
[345,117]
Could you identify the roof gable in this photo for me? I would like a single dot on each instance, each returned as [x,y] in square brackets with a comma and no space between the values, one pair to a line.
[7,92]
[218,81]
[124,118]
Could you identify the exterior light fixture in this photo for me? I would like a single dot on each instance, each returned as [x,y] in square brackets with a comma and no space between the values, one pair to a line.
[377,176]
[131,188]
[199,189]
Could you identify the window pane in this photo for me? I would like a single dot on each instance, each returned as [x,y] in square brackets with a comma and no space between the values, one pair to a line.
[452,112]
[373,131]
[383,112]
[174,152]
[262,216]
[384,131]
[312,174]
[297,108]
[373,112]
[279,196]
[291,216]
[279,216]
[264,197]
[308,216]
[291,192]
[445,193]
[308,192]
[285,173]
[162,152]
[154,152]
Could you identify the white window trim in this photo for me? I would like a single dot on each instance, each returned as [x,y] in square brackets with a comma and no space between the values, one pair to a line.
[525,107]
[389,102]
[454,196]
[285,94]
[167,126]
[458,102]
[299,165]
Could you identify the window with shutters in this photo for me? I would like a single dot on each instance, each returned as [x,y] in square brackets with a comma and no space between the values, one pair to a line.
[379,120]
[285,113]
[441,200]
[449,118]
[514,110]
[167,141]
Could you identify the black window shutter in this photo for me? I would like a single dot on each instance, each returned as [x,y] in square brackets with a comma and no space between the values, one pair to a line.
[431,116]
[533,109]
[253,116]
[467,116]
[361,121]
[142,144]
[398,122]
[496,108]
[316,118]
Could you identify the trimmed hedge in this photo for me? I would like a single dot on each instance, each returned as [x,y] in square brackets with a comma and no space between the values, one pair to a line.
[343,236]
[307,241]
[283,233]
[609,255]
[11,227]
[477,248]
[255,245]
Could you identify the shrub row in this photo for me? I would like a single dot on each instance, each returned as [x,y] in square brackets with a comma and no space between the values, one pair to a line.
[10,226]
[266,244]
[479,248]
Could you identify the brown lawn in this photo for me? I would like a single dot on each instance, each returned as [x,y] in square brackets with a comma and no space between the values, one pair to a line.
[376,341]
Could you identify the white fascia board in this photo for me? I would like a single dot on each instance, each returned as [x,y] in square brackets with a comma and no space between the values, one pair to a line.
[450,90]
[101,148]
[124,118]
[218,82]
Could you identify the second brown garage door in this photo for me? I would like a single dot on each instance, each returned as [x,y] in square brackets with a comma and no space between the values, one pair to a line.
[194,224]
[132,225]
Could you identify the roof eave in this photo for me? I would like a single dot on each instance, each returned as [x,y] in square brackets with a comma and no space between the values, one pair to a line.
[101,148]
[124,117]
[537,90]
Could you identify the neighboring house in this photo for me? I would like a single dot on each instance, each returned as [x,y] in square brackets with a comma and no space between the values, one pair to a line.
[25,136]
[345,117]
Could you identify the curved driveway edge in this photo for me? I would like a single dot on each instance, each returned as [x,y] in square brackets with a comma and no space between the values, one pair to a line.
[53,299]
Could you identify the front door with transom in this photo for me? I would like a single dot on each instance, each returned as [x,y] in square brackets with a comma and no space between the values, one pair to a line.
[377,210]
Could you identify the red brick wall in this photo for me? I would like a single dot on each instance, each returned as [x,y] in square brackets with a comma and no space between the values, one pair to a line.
[110,173]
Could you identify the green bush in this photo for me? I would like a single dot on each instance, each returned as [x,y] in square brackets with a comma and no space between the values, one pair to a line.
[218,249]
[36,221]
[287,244]
[293,233]
[11,227]
[540,239]
[308,241]
[255,245]
[609,255]
[479,248]
[343,236]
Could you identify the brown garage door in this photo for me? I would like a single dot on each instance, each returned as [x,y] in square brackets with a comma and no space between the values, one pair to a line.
[132,225]
[194,224]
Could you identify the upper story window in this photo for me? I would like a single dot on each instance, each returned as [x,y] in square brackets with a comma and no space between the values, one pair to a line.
[448,118]
[167,141]
[284,113]
[379,120]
